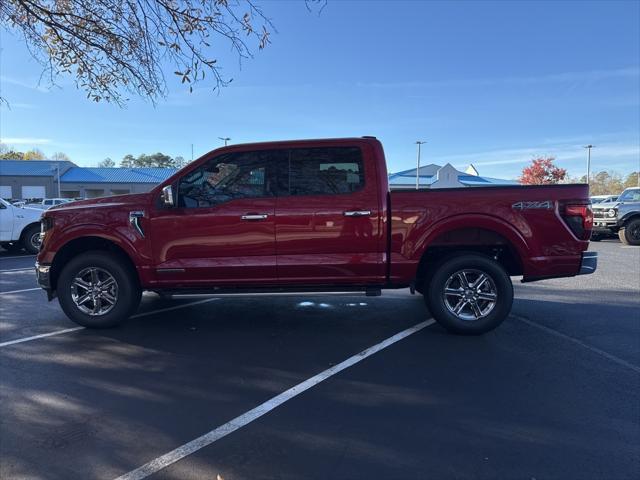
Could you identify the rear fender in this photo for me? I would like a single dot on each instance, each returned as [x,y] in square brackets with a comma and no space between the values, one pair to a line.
[425,237]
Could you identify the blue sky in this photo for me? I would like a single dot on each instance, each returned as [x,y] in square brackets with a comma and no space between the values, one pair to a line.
[489,83]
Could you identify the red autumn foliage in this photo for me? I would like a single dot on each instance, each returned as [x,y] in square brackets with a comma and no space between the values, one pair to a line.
[542,171]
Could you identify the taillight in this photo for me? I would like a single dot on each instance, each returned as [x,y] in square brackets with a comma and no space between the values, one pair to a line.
[579,218]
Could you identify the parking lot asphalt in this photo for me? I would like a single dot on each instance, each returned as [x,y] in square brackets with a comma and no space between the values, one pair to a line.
[552,393]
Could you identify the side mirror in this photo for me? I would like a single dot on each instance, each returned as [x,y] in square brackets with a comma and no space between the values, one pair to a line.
[167,196]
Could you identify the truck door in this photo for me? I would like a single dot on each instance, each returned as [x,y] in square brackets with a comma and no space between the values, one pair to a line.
[221,231]
[328,226]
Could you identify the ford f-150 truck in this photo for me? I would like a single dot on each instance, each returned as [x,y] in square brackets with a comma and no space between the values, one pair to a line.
[312,215]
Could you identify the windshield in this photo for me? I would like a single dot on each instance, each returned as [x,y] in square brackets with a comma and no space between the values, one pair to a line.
[630,195]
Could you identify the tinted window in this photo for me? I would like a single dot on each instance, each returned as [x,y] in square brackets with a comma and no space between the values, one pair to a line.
[228,177]
[630,196]
[325,171]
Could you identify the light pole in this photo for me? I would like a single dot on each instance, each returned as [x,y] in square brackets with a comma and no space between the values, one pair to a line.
[419,143]
[225,140]
[57,170]
[588,147]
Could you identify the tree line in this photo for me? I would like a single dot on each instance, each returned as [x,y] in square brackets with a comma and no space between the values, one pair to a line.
[8,153]
[543,171]
[158,160]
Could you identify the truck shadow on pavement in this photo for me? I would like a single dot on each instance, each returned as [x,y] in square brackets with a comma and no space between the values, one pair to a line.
[95,404]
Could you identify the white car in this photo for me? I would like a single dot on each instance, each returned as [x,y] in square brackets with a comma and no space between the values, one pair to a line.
[19,227]
[47,203]
[603,198]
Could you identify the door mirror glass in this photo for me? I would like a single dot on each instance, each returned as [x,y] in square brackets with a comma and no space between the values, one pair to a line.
[167,196]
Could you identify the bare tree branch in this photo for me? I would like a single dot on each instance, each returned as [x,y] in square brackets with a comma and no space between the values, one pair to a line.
[117,47]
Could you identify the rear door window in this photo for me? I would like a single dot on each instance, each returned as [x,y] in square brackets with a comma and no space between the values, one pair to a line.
[325,171]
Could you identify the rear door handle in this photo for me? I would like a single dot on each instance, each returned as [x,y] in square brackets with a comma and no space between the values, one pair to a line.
[357,213]
[254,216]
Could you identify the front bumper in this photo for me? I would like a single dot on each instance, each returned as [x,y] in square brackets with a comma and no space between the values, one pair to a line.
[589,263]
[44,279]
[604,224]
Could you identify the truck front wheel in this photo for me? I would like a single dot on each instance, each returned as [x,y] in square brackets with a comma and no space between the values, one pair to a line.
[98,290]
[630,233]
[30,239]
[469,294]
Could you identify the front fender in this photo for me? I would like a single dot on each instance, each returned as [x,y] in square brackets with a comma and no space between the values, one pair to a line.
[628,216]
[122,235]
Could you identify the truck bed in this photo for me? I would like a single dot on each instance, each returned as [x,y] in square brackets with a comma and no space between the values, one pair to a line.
[527,219]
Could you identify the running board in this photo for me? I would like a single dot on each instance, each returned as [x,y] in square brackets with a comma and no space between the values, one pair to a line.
[368,291]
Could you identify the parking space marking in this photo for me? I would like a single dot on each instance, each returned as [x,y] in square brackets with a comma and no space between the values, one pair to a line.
[36,337]
[20,291]
[222,431]
[19,256]
[75,329]
[175,307]
[556,333]
[26,269]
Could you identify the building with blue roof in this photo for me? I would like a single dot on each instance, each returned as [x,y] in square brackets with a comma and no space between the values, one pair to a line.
[36,179]
[436,176]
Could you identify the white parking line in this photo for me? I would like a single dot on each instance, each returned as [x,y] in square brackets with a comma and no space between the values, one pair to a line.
[36,337]
[556,333]
[27,269]
[175,307]
[20,291]
[222,431]
[74,329]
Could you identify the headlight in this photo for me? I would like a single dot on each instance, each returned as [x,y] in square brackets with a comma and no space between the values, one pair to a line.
[46,223]
[611,212]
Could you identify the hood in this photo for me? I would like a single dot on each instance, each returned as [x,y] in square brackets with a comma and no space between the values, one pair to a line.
[104,202]
[30,213]
[605,206]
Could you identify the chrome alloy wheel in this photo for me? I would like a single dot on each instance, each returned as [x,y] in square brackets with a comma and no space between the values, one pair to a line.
[94,291]
[470,294]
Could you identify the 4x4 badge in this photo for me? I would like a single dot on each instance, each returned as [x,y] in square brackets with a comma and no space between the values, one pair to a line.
[546,205]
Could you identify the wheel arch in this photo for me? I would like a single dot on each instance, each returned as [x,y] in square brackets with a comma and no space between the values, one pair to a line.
[80,245]
[28,226]
[486,236]
[628,218]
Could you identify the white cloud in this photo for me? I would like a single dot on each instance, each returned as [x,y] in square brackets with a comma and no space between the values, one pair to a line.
[563,77]
[17,105]
[25,141]
[28,84]
[507,163]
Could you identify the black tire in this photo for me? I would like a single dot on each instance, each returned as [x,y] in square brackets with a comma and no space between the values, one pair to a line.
[473,264]
[630,233]
[127,289]
[30,239]
[12,247]
[596,238]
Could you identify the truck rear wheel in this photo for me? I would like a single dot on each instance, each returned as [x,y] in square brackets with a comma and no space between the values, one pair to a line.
[469,294]
[98,290]
[630,233]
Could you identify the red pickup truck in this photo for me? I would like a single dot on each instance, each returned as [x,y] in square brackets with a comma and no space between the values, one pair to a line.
[312,215]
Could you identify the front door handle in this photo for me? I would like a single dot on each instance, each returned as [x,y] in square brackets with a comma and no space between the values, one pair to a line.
[254,216]
[357,213]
